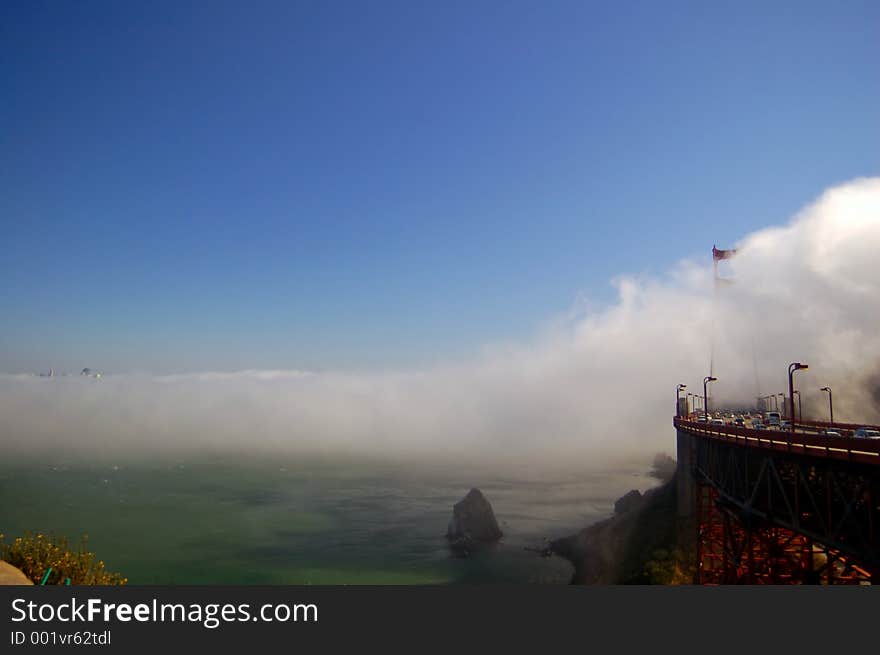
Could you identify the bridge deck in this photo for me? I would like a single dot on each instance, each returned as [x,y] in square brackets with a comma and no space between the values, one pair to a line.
[850,449]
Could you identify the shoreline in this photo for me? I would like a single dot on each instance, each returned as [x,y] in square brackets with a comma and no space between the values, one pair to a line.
[638,544]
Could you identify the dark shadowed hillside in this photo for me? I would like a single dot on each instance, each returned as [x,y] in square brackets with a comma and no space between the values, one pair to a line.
[642,543]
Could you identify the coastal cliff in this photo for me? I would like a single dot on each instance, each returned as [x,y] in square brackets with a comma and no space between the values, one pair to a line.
[642,543]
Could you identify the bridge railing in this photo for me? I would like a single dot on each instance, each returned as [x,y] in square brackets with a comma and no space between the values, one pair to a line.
[866,451]
[843,428]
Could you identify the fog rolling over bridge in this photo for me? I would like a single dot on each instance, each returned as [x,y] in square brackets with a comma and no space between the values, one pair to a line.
[596,385]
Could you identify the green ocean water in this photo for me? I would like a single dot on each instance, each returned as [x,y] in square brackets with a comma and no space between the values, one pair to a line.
[235,521]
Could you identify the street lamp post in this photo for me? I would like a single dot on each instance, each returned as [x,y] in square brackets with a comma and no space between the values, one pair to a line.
[678,391]
[794,366]
[706,381]
[830,403]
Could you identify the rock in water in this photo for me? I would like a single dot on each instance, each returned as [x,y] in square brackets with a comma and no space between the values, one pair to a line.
[473,522]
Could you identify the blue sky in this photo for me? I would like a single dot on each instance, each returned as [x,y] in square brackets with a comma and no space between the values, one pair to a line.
[218,186]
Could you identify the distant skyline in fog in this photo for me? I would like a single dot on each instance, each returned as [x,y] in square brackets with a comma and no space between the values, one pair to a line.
[319,186]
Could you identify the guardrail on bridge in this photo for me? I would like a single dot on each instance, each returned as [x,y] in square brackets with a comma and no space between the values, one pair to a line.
[851,449]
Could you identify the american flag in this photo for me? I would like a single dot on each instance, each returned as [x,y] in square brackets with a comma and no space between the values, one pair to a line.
[718,255]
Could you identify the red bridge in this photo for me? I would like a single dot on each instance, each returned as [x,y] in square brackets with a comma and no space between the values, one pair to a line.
[779,507]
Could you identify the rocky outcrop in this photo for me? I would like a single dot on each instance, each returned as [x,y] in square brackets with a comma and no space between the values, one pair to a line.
[473,522]
[628,502]
[664,467]
[595,551]
[619,549]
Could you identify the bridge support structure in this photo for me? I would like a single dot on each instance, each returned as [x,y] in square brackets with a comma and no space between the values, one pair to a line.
[731,550]
[766,514]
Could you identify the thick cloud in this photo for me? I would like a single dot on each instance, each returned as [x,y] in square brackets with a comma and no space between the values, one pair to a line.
[602,385]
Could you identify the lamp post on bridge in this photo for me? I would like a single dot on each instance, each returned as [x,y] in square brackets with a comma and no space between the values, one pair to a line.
[706,381]
[830,403]
[794,366]
[678,391]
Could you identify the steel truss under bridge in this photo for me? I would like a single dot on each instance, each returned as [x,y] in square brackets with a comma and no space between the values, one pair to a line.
[772,510]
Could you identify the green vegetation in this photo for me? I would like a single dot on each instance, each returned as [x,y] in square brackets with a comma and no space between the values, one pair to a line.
[657,551]
[36,554]
[667,567]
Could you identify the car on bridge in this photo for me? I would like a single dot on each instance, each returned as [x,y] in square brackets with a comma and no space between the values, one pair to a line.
[739,421]
[774,418]
[828,432]
[757,424]
[718,421]
[866,433]
[785,425]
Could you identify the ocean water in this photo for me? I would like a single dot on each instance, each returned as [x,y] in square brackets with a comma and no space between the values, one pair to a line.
[302,521]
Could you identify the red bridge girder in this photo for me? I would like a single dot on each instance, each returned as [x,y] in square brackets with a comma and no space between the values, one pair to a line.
[777,507]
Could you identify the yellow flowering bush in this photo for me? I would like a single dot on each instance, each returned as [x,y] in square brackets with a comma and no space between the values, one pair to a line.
[34,554]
